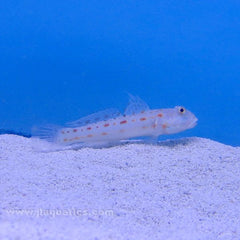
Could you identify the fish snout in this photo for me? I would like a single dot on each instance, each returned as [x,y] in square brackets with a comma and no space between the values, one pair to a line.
[193,123]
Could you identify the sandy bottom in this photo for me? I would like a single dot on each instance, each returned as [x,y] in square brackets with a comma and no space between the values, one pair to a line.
[182,189]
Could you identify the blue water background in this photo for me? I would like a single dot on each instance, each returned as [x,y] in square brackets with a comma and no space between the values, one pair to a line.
[61,60]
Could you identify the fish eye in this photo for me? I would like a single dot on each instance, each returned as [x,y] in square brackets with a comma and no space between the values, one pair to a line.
[182,110]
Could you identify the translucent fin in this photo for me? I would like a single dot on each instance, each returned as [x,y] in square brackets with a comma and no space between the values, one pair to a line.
[136,105]
[95,117]
[46,132]
[39,145]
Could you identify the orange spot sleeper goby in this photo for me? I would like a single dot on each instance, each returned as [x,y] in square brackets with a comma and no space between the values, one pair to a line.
[111,126]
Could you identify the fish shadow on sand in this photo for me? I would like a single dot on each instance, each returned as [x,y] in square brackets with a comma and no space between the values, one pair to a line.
[177,142]
[170,143]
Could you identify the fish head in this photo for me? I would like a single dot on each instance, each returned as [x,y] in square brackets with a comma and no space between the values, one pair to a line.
[178,119]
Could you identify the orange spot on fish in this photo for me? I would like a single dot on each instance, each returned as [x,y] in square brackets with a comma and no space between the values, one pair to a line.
[77,138]
[104,133]
[106,125]
[62,132]
[74,130]
[164,126]
[122,122]
[144,127]
[122,131]
[143,119]
[65,139]
[160,115]
[89,135]
[89,128]
[114,123]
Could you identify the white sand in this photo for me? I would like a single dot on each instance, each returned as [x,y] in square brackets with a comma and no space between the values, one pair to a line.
[183,189]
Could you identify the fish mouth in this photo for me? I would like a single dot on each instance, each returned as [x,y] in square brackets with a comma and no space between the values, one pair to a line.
[193,123]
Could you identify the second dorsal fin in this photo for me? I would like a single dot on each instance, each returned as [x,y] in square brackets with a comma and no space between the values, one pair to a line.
[95,117]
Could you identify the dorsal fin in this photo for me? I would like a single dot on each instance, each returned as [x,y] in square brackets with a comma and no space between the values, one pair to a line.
[136,105]
[95,117]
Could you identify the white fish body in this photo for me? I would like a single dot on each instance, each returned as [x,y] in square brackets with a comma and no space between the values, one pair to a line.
[110,126]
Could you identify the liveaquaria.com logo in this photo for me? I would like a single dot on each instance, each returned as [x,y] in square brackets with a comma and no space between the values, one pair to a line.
[40,212]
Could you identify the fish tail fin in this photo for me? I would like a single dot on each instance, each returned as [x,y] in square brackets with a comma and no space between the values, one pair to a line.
[44,138]
[47,132]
